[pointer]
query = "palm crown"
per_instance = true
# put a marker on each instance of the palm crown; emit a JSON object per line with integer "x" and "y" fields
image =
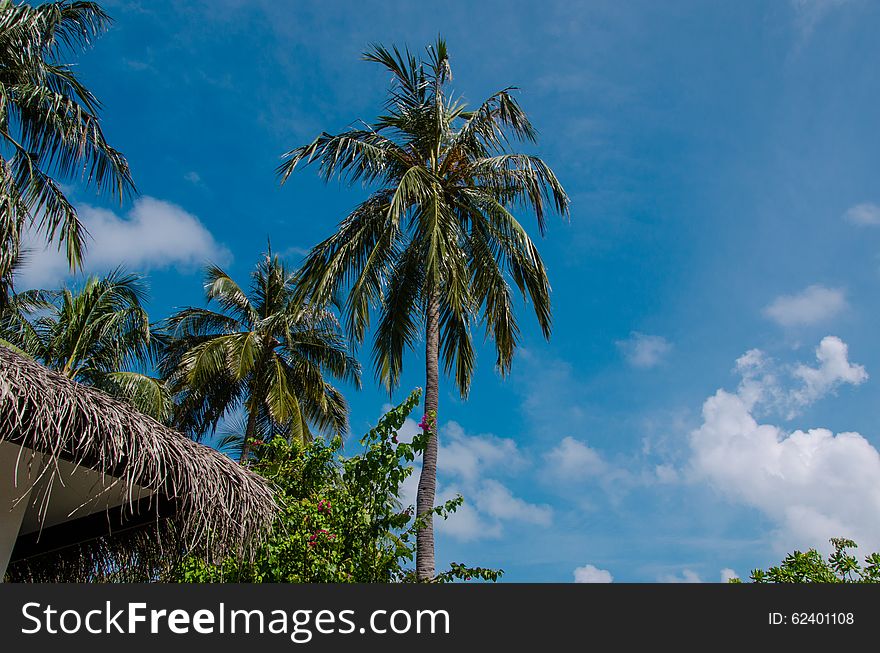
{"x": 264, "y": 351}
{"x": 440, "y": 226}
{"x": 98, "y": 334}
{"x": 49, "y": 125}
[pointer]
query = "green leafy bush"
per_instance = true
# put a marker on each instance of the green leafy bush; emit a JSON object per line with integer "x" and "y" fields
{"x": 810, "y": 567}
{"x": 341, "y": 519}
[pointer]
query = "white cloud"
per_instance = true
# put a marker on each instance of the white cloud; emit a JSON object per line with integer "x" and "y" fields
{"x": 812, "y": 305}
{"x": 834, "y": 369}
{"x": 865, "y": 214}
{"x": 812, "y": 484}
{"x": 408, "y": 431}
{"x": 488, "y": 507}
{"x": 470, "y": 466}
{"x": 496, "y": 500}
{"x": 468, "y": 525}
{"x": 727, "y": 574}
{"x": 573, "y": 460}
{"x": 470, "y": 456}
{"x": 591, "y": 574}
{"x": 765, "y": 384}
{"x": 193, "y": 177}
{"x": 644, "y": 351}
{"x": 154, "y": 234}
{"x": 687, "y": 576}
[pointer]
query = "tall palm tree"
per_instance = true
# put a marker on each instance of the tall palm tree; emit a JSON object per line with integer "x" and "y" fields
{"x": 98, "y": 334}
{"x": 263, "y": 351}
{"x": 49, "y": 126}
{"x": 435, "y": 246}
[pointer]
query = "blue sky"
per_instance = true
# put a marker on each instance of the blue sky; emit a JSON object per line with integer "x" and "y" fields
{"x": 715, "y": 292}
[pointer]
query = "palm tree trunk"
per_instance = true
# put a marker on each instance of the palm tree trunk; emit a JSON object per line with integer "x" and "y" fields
{"x": 250, "y": 432}
{"x": 428, "y": 478}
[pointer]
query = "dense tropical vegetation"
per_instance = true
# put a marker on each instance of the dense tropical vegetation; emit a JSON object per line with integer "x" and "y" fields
{"x": 342, "y": 520}
{"x": 434, "y": 248}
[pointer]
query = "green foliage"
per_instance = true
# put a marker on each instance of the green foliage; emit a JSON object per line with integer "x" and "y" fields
{"x": 439, "y": 224}
{"x": 810, "y": 567}
{"x": 341, "y": 518}
{"x": 263, "y": 350}
{"x": 97, "y": 333}
{"x": 49, "y": 127}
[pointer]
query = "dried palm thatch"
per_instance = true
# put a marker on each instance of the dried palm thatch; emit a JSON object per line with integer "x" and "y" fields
{"x": 220, "y": 508}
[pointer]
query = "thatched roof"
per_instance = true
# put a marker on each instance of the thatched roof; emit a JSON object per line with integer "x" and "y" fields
{"x": 219, "y": 506}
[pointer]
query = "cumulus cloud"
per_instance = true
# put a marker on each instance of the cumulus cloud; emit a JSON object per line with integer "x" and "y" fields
{"x": 727, "y": 574}
{"x": 573, "y": 460}
{"x": 814, "y": 304}
{"x": 488, "y": 507}
{"x": 591, "y": 574}
{"x": 469, "y": 456}
{"x": 467, "y": 524}
{"x": 152, "y": 235}
{"x": 687, "y": 576}
{"x": 766, "y": 385}
{"x": 834, "y": 369}
{"x": 473, "y": 466}
{"x": 496, "y": 500}
{"x": 644, "y": 351}
{"x": 812, "y": 484}
{"x": 866, "y": 214}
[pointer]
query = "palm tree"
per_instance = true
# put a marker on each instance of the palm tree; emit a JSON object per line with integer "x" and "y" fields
{"x": 263, "y": 351}
{"x": 435, "y": 246}
{"x": 98, "y": 334}
{"x": 49, "y": 126}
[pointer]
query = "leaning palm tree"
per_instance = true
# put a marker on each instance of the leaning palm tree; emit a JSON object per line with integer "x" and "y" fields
{"x": 98, "y": 334}
{"x": 435, "y": 246}
{"x": 265, "y": 352}
{"x": 49, "y": 126}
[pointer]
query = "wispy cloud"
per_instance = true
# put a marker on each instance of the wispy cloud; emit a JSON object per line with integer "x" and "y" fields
{"x": 812, "y": 305}
{"x": 644, "y": 351}
{"x": 866, "y": 214}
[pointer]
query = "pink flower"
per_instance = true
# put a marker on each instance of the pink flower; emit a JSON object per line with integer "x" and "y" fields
{"x": 424, "y": 425}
